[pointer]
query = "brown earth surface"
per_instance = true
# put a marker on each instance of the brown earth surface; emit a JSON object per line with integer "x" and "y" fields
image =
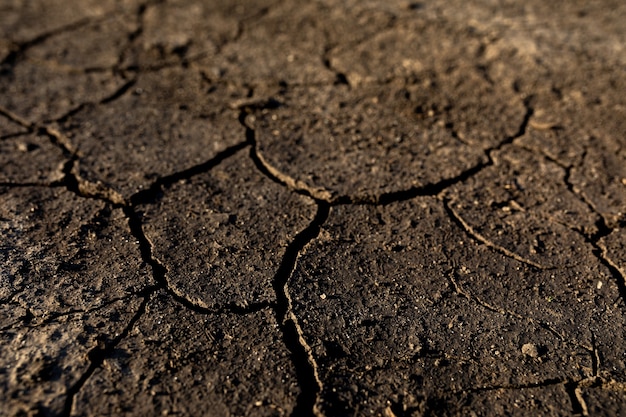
{"x": 325, "y": 208}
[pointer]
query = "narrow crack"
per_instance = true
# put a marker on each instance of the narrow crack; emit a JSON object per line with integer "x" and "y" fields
{"x": 11, "y": 118}
{"x": 159, "y": 271}
{"x": 437, "y": 188}
{"x": 76, "y": 184}
{"x": 602, "y": 227}
{"x": 602, "y": 231}
{"x": 461, "y": 291}
{"x": 469, "y": 230}
{"x": 458, "y": 288}
{"x": 133, "y": 36}
{"x": 57, "y": 138}
{"x": 329, "y": 49}
{"x": 19, "y": 48}
{"x": 322, "y": 194}
{"x": 307, "y": 403}
{"x": 571, "y": 386}
{"x": 51, "y": 317}
{"x": 151, "y": 194}
{"x": 99, "y": 354}
{"x": 618, "y": 275}
{"x": 432, "y": 189}
{"x": 119, "y": 92}
{"x": 65, "y": 116}
{"x": 81, "y": 187}
{"x": 16, "y": 118}
{"x": 318, "y": 194}
{"x": 72, "y": 180}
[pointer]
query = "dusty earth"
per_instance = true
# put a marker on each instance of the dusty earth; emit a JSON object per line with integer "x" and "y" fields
{"x": 328, "y": 208}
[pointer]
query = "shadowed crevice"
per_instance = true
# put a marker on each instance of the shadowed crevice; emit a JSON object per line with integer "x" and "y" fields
{"x": 293, "y": 337}
{"x": 267, "y": 169}
{"x": 428, "y": 189}
{"x": 579, "y": 407}
{"x": 437, "y": 188}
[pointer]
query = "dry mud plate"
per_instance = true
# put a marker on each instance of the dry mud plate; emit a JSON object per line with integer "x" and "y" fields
{"x": 312, "y": 208}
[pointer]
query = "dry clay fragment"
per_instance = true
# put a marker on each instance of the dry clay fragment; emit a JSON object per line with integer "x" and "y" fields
{"x": 26, "y": 21}
{"x": 66, "y": 70}
{"x": 399, "y": 299}
{"x": 170, "y": 121}
{"x": 222, "y": 235}
{"x": 38, "y": 91}
{"x": 407, "y": 49}
{"x": 358, "y": 144}
{"x": 284, "y": 45}
{"x": 446, "y": 76}
{"x": 175, "y": 361}
{"x": 70, "y": 273}
{"x": 208, "y": 27}
{"x": 91, "y": 47}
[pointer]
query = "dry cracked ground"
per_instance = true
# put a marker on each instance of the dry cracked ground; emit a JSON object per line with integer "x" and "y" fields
{"x": 328, "y": 208}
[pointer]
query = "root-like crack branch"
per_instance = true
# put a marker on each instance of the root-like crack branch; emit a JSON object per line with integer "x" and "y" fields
{"x": 98, "y": 355}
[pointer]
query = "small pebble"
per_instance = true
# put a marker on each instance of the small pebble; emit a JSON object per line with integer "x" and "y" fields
{"x": 530, "y": 349}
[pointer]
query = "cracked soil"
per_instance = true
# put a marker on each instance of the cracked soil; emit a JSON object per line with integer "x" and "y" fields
{"x": 312, "y": 208}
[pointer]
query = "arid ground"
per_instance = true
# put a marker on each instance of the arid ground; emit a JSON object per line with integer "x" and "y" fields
{"x": 312, "y": 208}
